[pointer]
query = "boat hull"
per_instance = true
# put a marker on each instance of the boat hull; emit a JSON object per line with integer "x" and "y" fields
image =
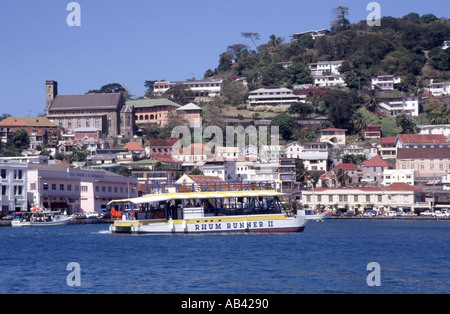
{"x": 223, "y": 224}
{"x": 39, "y": 224}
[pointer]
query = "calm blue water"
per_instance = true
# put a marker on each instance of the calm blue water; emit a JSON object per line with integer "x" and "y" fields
{"x": 329, "y": 257}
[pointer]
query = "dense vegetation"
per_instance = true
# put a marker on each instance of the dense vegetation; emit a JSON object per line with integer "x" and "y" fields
{"x": 409, "y": 47}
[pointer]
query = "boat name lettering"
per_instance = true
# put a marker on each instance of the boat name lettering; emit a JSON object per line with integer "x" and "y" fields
{"x": 233, "y": 225}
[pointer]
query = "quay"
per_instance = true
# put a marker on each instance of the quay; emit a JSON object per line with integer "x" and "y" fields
{"x": 390, "y": 218}
{"x": 7, "y": 223}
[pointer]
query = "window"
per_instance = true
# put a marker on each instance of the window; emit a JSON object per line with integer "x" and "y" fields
{"x": 3, "y": 190}
{"x": 330, "y": 198}
{"x": 54, "y": 187}
{"x": 367, "y": 198}
{"x": 355, "y": 198}
{"x": 380, "y": 198}
{"x": 69, "y": 187}
{"x": 84, "y": 188}
{"x": 45, "y": 186}
{"x": 61, "y": 187}
{"x": 3, "y": 173}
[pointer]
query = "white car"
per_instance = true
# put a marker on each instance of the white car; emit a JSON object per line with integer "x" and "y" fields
{"x": 427, "y": 213}
{"x": 441, "y": 214}
{"x": 391, "y": 213}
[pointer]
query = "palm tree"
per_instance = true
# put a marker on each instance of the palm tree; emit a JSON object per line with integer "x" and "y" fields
{"x": 274, "y": 43}
{"x": 372, "y": 102}
{"x": 342, "y": 176}
{"x": 359, "y": 123}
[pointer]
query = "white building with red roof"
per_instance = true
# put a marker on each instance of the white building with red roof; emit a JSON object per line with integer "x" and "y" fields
{"x": 397, "y": 195}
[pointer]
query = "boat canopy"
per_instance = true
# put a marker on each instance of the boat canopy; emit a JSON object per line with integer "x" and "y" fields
{"x": 195, "y": 195}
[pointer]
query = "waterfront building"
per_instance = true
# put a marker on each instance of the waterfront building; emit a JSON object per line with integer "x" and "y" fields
{"x": 397, "y": 195}
{"x": 13, "y": 183}
{"x": 61, "y": 187}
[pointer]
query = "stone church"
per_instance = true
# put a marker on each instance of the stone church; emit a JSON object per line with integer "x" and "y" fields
{"x": 105, "y": 112}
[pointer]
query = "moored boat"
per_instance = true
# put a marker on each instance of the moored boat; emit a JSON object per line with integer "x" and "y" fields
{"x": 41, "y": 218}
{"x": 312, "y": 215}
{"x": 205, "y": 212}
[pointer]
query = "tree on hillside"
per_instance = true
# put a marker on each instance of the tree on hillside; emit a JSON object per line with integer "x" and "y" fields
{"x": 111, "y": 88}
{"x": 372, "y": 101}
{"x": 359, "y": 123}
{"x": 253, "y": 37}
{"x": 341, "y": 106}
{"x": 406, "y": 123}
{"x": 285, "y": 123}
{"x": 340, "y": 22}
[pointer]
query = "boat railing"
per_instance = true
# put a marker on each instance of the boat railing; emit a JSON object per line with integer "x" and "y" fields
{"x": 159, "y": 188}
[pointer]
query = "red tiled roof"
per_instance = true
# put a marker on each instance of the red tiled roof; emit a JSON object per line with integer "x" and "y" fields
{"x": 163, "y": 142}
{"x": 346, "y": 167}
{"x": 133, "y": 146}
{"x": 401, "y": 186}
{"x": 333, "y": 129}
{"x": 388, "y": 140}
{"x": 422, "y": 138}
{"x": 423, "y": 153}
{"x": 165, "y": 158}
{"x": 376, "y": 161}
{"x": 204, "y": 179}
{"x": 358, "y": 188}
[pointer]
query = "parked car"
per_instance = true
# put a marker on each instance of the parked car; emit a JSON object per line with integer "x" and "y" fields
{"x": 104, "y": 215}
{"x": 13, "y": 216}
{"x": 410, "y": 214}
{"x": 441, "y": 214}
{"x": 390, "y": 213}
{"x": 370, "y": 213}
{"x": 428, "y": 213}
{"x": 336, "y": 214}
{"x": 91, "y": 215}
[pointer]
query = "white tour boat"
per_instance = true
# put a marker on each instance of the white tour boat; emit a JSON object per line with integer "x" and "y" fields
{"x": 41, "y": 218}
{"x": 314, "y": 215}
{"x": 205, "y": 212}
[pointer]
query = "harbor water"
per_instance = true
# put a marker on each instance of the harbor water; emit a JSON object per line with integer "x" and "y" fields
{"x": 328, "y": 257}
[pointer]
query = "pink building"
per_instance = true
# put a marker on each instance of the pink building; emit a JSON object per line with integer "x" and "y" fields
{"x": 60, "y": 187}
{"x": 373, "y": 169}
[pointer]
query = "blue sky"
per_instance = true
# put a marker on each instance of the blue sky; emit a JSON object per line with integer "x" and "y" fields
{"x": 131, "y": 41}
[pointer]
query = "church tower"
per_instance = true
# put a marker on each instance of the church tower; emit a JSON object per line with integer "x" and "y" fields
{"x": 51, "y": 91}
